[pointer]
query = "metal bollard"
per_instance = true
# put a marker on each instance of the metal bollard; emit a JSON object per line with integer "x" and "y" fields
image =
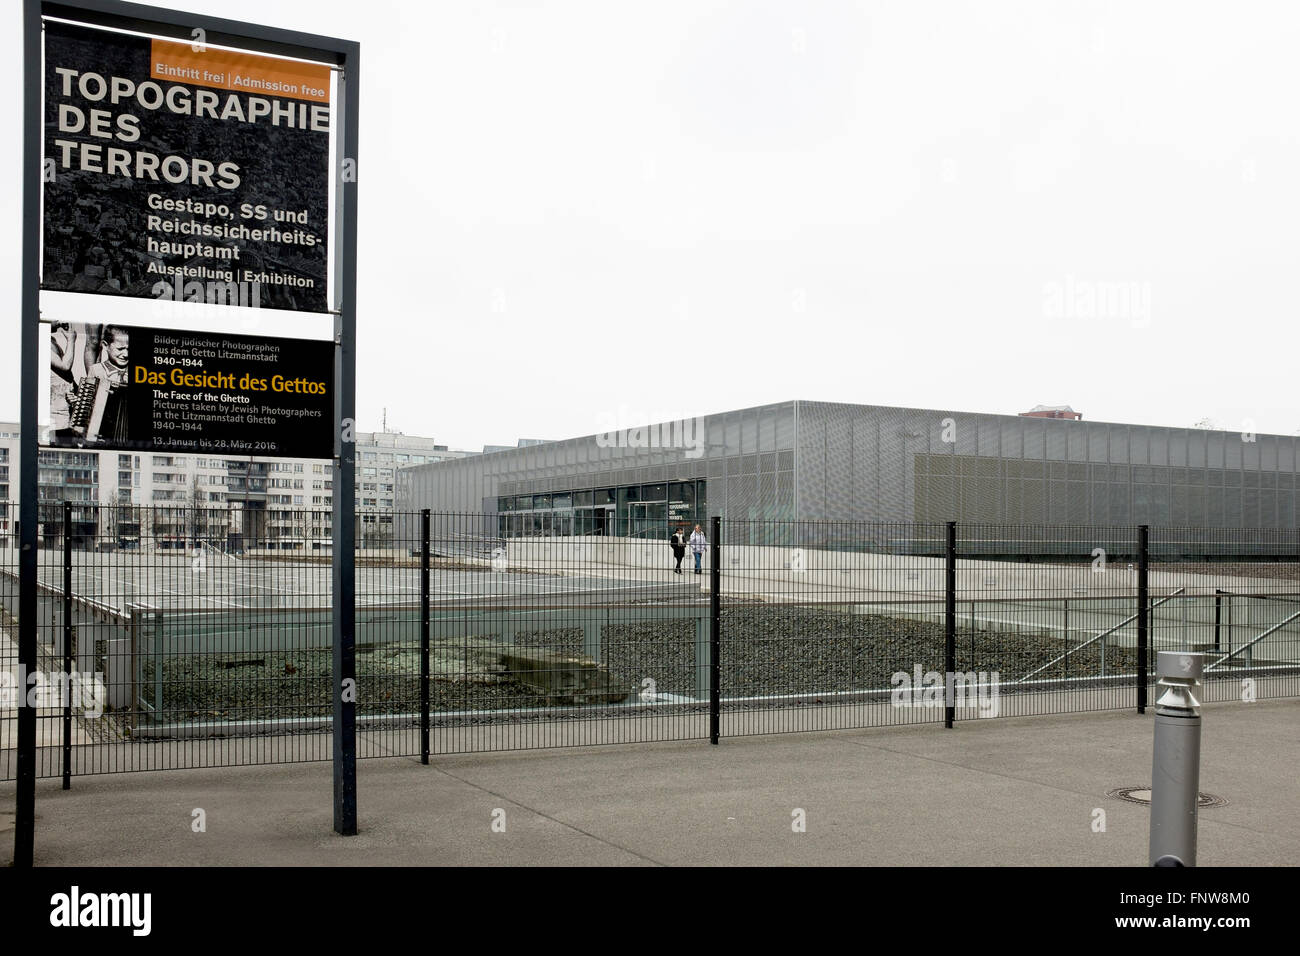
{"x": 1176, "y": 759}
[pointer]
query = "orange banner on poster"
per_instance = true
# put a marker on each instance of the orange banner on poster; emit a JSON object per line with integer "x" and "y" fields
{"x": 240, "y": 72}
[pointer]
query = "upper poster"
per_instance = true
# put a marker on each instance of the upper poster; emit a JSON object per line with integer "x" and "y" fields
{"x": 176, "y": 173}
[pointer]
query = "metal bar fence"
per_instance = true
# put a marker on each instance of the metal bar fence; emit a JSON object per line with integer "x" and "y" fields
{"x": 1052, "y": 631}
{"x": 190, "y": 638}
{"x": 1242, "y": 594}
{"x": 830, "y": 625}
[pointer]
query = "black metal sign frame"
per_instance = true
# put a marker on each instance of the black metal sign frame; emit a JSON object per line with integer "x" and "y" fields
{"x": 344, "y": 56}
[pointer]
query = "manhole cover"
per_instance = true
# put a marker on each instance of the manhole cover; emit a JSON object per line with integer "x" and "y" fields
{"x": 1142, "y": 795}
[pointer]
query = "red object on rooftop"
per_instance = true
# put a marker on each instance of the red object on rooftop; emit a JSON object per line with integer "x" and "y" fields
{"x": 1052, "y": 411}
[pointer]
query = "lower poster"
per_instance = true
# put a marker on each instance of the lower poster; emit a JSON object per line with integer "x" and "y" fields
{"x": 141, "y": 389}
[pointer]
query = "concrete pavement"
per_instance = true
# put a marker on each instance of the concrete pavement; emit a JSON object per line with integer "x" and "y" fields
{"x": 1008, "y": 791}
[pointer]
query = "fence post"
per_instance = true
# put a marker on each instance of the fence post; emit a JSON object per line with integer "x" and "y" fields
{"x": 715, "y": 627}
{"x": 65, "y": 682}
{"x": 1218, "y": 611}
{"x": 1250, "y": 626}
{"x": 949, "y": 621}
{"x": 137, "y": 677}
{"x": 157, "y": 667}
{"x": 972, "y": 635}
{"x": 1143, "y": 619}
{"x": 1231, "y": 632}
{"x": 1065, "y": 630}
{"x": 424, "y": 636}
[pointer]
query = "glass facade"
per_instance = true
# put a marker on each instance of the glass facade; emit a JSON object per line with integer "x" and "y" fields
{"x": 652, "y": 510}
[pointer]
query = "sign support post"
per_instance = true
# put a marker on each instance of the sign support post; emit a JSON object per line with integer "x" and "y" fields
{"x": 345, "y": 464}
{"x": 28, "y": 514}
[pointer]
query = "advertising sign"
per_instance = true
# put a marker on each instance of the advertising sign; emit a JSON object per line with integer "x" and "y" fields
{"x": 129, "y": 388}
{"x": 174, "y": 170}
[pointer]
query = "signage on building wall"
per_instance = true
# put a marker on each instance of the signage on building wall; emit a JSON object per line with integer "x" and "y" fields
{"x": 130, "y": 388}
{"x": 179, "y": 171}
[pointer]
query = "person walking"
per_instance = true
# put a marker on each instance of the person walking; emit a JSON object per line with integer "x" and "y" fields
{"x": 698, "y": 544}
{"x": 678, "y": 543}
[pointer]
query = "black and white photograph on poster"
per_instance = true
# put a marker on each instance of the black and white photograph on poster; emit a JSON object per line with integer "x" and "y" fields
{"x": 88, "y": 384}
{"x": 143, "y": 389}
{"x": 179, "y": 173}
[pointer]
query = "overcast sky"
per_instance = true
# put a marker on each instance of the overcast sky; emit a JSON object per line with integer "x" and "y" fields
{"x": 577, "y": 211}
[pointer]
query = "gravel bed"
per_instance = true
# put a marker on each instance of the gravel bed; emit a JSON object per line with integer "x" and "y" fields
{"x": 766, "y": 650}
{"x": 1272, "y": 570}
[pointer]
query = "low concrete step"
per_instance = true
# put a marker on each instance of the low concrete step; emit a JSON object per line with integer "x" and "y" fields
{"x": 562, "y": 678}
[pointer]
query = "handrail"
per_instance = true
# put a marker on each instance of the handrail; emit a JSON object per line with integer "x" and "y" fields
{"x": 1254, "y": 641}
{"x": 1112, "y": 630}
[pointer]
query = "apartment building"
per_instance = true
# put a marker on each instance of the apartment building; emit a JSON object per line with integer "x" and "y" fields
{"x": 171, "y": 499}
{"x": 62, "y": 475}
{"x": 236, "y": 503}
{"x": 9, "y": 446}
{"x": 380, "y": 457}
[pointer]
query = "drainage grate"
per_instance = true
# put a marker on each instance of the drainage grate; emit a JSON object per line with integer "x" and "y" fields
{"x": 1142, "y": 795}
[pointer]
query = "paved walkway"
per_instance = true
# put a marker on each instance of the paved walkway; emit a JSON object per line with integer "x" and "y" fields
{"x": 990, "y": 792}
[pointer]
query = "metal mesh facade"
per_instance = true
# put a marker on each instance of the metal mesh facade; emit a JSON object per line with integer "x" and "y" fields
{"x": 818, "y": 461}
{"x": 867, "y": 463}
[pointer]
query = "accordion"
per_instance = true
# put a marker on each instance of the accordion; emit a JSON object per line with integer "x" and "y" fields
{"x": 83, "y": 404}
